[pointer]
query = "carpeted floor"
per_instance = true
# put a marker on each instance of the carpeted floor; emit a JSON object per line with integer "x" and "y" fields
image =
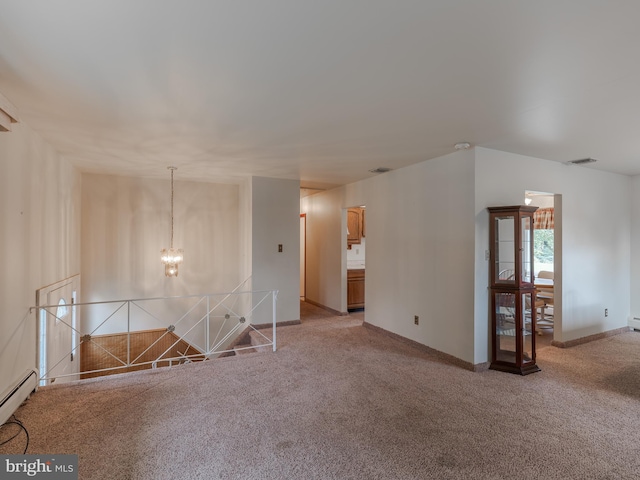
{"x": 340, "y": 401}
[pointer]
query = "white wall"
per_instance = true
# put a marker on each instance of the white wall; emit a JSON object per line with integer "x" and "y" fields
{"x": 358, "y": 252}
{"x": 246, "y": 241}
{"x": 276, "y": 220}
{"x": 420, "y": 240}
{"x": 427, "y": 233}
{"x": 228, "y": 232}
{"x": 420, "y": 237}
{"x": 126, "y": 222}
{"x": 592, "y": 224}
{"x": 40, "y": 238}
{"x": 635, "y": 247}
{"x": 326, "y": 274}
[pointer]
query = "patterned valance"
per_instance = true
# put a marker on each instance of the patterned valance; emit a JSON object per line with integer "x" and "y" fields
{"x": 543, "y": 218}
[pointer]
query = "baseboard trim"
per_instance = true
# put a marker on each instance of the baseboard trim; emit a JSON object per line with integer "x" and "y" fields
{"x": 445, "y": 357}
{"x": 328, "y": 309}
{"x": 285, "y": 323}
{"x": 481, "y": 367}
{"x": 590, "y": 338}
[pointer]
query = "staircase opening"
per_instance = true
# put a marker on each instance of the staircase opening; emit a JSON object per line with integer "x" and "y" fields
{"x": 123, "y": 336}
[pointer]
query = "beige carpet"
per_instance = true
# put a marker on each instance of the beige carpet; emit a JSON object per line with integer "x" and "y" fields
{"x": 340, "y": 401}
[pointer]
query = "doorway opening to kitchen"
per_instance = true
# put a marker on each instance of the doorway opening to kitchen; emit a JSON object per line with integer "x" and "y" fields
{"x": 356, "y": 255}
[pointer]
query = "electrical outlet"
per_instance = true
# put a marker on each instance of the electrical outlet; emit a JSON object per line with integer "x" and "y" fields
{"x": 279, "y": 248}
{"x": 416, "y": 319}
{"x": 606, "y": 312}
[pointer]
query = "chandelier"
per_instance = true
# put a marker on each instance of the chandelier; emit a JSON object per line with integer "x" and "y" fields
{"x": 173, "y": 256}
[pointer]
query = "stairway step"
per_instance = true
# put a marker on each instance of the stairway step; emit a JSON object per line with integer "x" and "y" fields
{"x": 244, "y": 349}
{"x": 257, "y": 339}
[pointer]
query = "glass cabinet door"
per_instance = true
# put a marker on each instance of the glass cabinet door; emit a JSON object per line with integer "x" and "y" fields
{"x": 515, "y": 316}
{"x": 505, "y": 334}
{"x": 504, "y": 249}
{"x": 528, "y": 327}
{"x": 526, "y": 249}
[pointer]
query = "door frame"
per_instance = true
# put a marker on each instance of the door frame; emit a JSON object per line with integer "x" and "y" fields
{"x": 303, "y": 256}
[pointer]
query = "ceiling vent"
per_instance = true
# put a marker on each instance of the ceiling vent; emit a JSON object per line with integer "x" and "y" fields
{"x": 380, "y": 170}
{"x": 582, "y": 161}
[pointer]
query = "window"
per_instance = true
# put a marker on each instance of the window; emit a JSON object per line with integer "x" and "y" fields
{"x": 543, "y": 249}
{"x": 62, "y": 310}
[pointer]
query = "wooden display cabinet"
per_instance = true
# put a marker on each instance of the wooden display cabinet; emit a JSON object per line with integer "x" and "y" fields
{"x": 513, "y": 313}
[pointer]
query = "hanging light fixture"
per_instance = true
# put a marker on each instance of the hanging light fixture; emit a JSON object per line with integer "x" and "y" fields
{"x": 173, "y": 256}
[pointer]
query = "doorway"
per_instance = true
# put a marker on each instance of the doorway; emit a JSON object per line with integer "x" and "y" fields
{"x": 547, "y": 251}
{"x": 356, "y": 257}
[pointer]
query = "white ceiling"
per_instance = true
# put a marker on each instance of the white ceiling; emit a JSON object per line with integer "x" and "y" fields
{"x": 322, "y": 90}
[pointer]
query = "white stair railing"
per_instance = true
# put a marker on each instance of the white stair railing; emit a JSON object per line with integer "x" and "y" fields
{"x": 124, "y": 335}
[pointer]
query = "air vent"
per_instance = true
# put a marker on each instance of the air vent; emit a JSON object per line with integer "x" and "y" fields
{"x": 582, "y": 161}
{"x": 380, "y": 170}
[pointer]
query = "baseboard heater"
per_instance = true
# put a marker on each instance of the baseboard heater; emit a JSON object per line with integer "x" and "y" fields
{"x": 635, "y": 323}
{"x": 13, "y": 397}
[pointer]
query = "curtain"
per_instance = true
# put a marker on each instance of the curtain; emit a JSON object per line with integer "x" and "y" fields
{"x": 543, "y": 219}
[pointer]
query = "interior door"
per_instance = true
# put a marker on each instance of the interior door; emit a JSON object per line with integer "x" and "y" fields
{"x": 58, "y": 355}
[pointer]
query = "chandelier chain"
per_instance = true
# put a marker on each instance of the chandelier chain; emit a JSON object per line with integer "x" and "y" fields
{"x": 171, "y": 243}
{"x": 171, "y": 258}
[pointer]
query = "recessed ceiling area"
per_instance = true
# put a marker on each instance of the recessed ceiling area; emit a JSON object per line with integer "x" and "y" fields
{"x": 321, "y": 91}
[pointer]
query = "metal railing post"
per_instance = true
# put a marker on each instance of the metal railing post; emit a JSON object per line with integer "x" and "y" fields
{"x": 206, "y": 328}
{"x": 128, "y": 333}
{"x": 275, "y": 298}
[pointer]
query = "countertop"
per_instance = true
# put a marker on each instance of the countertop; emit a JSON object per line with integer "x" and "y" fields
{"x": 355, "y": 265}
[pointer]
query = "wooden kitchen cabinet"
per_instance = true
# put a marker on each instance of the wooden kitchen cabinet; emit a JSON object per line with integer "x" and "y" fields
{"x": 355, "y": 226}
{"x": 355, "y": 289}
